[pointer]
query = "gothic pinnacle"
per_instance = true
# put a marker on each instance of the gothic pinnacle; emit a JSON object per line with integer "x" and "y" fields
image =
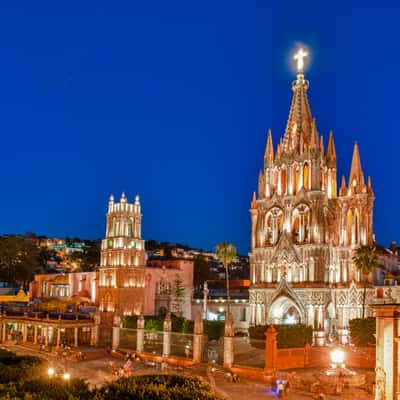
{"x": 331, "y": 151}
{"x": 254, "y": 201}
{"x": 269, "y": 148}
{"x": 356, "y": 178}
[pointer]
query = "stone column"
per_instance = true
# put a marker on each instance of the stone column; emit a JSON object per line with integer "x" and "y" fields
{"x": 271, "y": 348}
{"x": 58, "y": 337}
{"x": 387, "y": 360}
{"x": 24, "y": 333}
{"x": 46, "y": 336}
{"x": 228, "y": 341}
{"x": 4, "y": 333}
{"x": 94, "y": 339}
{"x": 116, "y": 331}
{"x": 35, "y": 331}
{"x": 76, "y": 337}
{"x": 167, "y": 336}
{"x": 140, "y": 334}
{"x": 205, "y": 298}
{"x": 197, "y": 338}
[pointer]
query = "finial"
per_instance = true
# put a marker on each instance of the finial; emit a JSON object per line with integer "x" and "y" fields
{"x": 299, "y": 58}
{"x": 123, "y": 198}
{"x": 137, "y": 199}
{"x": 111, "y": 199}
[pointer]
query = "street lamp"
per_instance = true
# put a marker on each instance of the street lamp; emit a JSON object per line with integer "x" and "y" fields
{"x": 66, "y": 376}
{"x": 51, "y": 372}
{"x": 337, "y": 358}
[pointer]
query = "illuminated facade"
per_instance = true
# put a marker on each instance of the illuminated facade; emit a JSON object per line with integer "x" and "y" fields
{"x": 304, "y": 231}
{"x": 122, "y": 262}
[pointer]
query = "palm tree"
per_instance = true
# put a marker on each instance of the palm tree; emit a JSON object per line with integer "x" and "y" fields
{"x": 226, "y": 252}
{"x": 365, "y": 260}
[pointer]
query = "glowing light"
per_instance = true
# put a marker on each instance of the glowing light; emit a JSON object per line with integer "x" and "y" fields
{"x": 51, "y": 372}
{"x": 290, "y": 319}
{"x": 66, "y": 376}
{"x": 337, "y": 356}
{"x": 299, "y": 58}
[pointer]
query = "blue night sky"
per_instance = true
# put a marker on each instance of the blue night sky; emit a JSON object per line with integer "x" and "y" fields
{"x": 172, "y": 100}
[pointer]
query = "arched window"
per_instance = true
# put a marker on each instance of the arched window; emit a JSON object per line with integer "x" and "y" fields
{"x": 300, "y": 224}
{"x": 274, "y": 225}
{"x": 283, "y": 181}
{"x": 130, "y": 228}
{"x": 296, "y": 180}
{"x": 356, "y": 227}
{"x": 306, "y": 177}
{"x": 349, "y": 227}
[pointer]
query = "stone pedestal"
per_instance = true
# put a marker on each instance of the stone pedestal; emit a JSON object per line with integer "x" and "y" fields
{"x": 228, "y": 351}
{"x": 167, "y": 336}
{"x": 197, "y": 348}
{"x": 140, "y": 340}
{"x": 319, "y": 338}
{"x": 228, "y": 341}
{"x": 115, "y": 337}
{"x": 271, "y": 348}
{"x": 198, "y": 338}
{"x": 140, "y": 334}
{"x": 387, "y": 351}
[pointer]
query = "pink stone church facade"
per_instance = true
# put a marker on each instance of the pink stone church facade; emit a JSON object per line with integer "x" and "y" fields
{"x": 304, "y": 230}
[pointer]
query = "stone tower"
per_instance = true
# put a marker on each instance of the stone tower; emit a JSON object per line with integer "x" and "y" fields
{"x": 303, "y": 232}
{"x": 122, "y": 261}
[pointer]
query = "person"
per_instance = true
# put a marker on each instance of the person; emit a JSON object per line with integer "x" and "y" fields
{"x": 321, "y": 396}
{"x": 287, "y": 387}
{"x": 280, "y": 388}
{"x": 128, "y": 367}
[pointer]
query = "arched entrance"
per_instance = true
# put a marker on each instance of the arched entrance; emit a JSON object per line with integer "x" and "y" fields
{"x": 284, "y": 311}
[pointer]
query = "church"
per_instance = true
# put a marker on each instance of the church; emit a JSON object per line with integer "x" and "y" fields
{"x": 304, "y": 230}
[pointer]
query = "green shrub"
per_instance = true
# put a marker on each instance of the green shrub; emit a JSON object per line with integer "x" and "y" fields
{"x": 362, "y": 331}
{"x": 157, "y": 387}
{"x": 214, "y": 329}
{"x": 46, "y": 389}
{"x": 15, "y": 368}
{"x": 155, "y": 323}
{"x": 289, "y": 336}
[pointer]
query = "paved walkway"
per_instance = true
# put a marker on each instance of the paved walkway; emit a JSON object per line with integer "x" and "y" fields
{"x": 97, "y": 371}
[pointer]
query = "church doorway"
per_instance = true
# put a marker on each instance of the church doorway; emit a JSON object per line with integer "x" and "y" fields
{"x": 284, "y": 311}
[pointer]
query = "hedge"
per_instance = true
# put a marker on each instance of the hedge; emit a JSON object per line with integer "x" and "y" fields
{"x": 157, "y": 387}
{"x": 362, "y": 331}
{"x": 146, "y": 387}
{"x": 289, "y": 336}
{"x": 15, "y": 368}
{"x": 213, "y": 329}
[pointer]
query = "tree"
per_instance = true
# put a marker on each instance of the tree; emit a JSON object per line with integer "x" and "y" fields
{"x": 226, "y": 253}
{"x": 178, "y": 292}
{"x": 201, "y": 271}
{"x": 18, "y": 259}
{"x": 365, "y": 260}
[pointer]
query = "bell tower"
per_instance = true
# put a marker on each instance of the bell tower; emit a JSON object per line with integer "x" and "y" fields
{"x": 122, "y": 261}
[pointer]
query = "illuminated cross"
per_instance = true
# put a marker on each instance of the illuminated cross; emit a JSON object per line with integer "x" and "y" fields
{"x": 299, "y": 57}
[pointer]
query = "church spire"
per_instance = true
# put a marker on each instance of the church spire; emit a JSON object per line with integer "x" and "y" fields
{"x": 300, "y": 117}
{"x": 356, "y": 178}
{"x": 254, "y": 201}
{"x": 331, "y": 151}
{"x": 269, "y": 149}
{"x": 343, "y": 188}
{"x": 314, "y": 136}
